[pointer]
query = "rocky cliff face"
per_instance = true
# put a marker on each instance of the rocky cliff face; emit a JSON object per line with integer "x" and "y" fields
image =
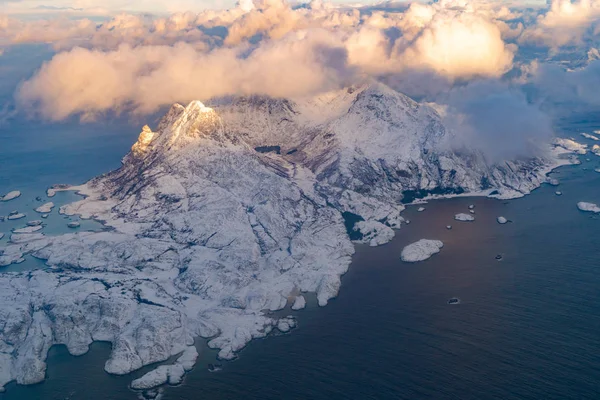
{"x": 224, "y": 213}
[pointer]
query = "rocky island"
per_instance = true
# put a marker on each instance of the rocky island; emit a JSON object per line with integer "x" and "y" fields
{"x": 209, "y": 235}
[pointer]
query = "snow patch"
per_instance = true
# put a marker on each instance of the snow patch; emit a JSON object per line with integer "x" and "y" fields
{"x": 421, "y": 250}
{"x": 286, "y": 324}
{"x": 464, "y": 217}
{"x": 28, "y": 229}
{"x": 375, "y": 233}
{"x": 571, "y": 145}
{"x": 171, "y": 374}
{"x": 10, "y": 195}
{"x": 588, "y": 207}
{"x": 299, "y": 303}
{"x": 45, "y": 208}
{"x": 588, "y": 136}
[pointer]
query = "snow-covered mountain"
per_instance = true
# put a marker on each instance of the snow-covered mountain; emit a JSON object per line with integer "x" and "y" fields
{"x": 224, "y": 213}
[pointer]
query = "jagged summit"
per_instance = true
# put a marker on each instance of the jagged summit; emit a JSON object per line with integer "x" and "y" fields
{"x": 178, "y": 126}
{"x": 195, "y": 121}
{"x": 141, "y": 146}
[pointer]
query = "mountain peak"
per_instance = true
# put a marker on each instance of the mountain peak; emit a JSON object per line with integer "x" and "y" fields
{"x": 141, "y": 146}
{"x": 182, "y": 124}
{"x": 197, "y": 106}
{"x": 195, "y": 121}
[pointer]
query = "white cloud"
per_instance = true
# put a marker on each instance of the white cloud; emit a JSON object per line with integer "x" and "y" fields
{"x": 565, "y": 23}
{"x": 460, "y": 44}
{"x": 143, "y": 62}
{"x": 569, "y": 90}
{"x": 86, "y": 82}
{"x": 496, "y": 119}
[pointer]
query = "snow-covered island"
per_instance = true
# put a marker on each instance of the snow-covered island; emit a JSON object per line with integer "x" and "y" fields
{"x": 225, "y": 213}
{"x": 571, "y": 145}
{"x": 588, "y": 207}
{"x": 588, "y": 136}
{"x": 173, "y": 374}
{"x": 10, "y": 196}
{"x": 45, "y": 208}
{"x": 15, "y": 215}
{"x": 28, "y": 229}
{"x": 464, "y": 217}
{"x": 421, "y": 250}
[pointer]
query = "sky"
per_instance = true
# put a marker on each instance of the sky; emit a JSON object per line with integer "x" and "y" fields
{"x": 138, "y": 57}
{"x": 111, "y": 7}
{"x": 108, "y": 7}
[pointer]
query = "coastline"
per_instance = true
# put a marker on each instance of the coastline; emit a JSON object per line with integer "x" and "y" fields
{"x": 407, "y": 299}
{"x": 94, "y": 206}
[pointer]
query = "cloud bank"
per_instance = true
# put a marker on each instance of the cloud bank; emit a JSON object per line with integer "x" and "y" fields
{"x": 497, "y": 119}
{"x": 85, "y": 82}
{"x": 269, "y": 47}
{"x": 567, "y": 22}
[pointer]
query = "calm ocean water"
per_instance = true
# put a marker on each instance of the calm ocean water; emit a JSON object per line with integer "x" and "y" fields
{"x": 526, "y": 328}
